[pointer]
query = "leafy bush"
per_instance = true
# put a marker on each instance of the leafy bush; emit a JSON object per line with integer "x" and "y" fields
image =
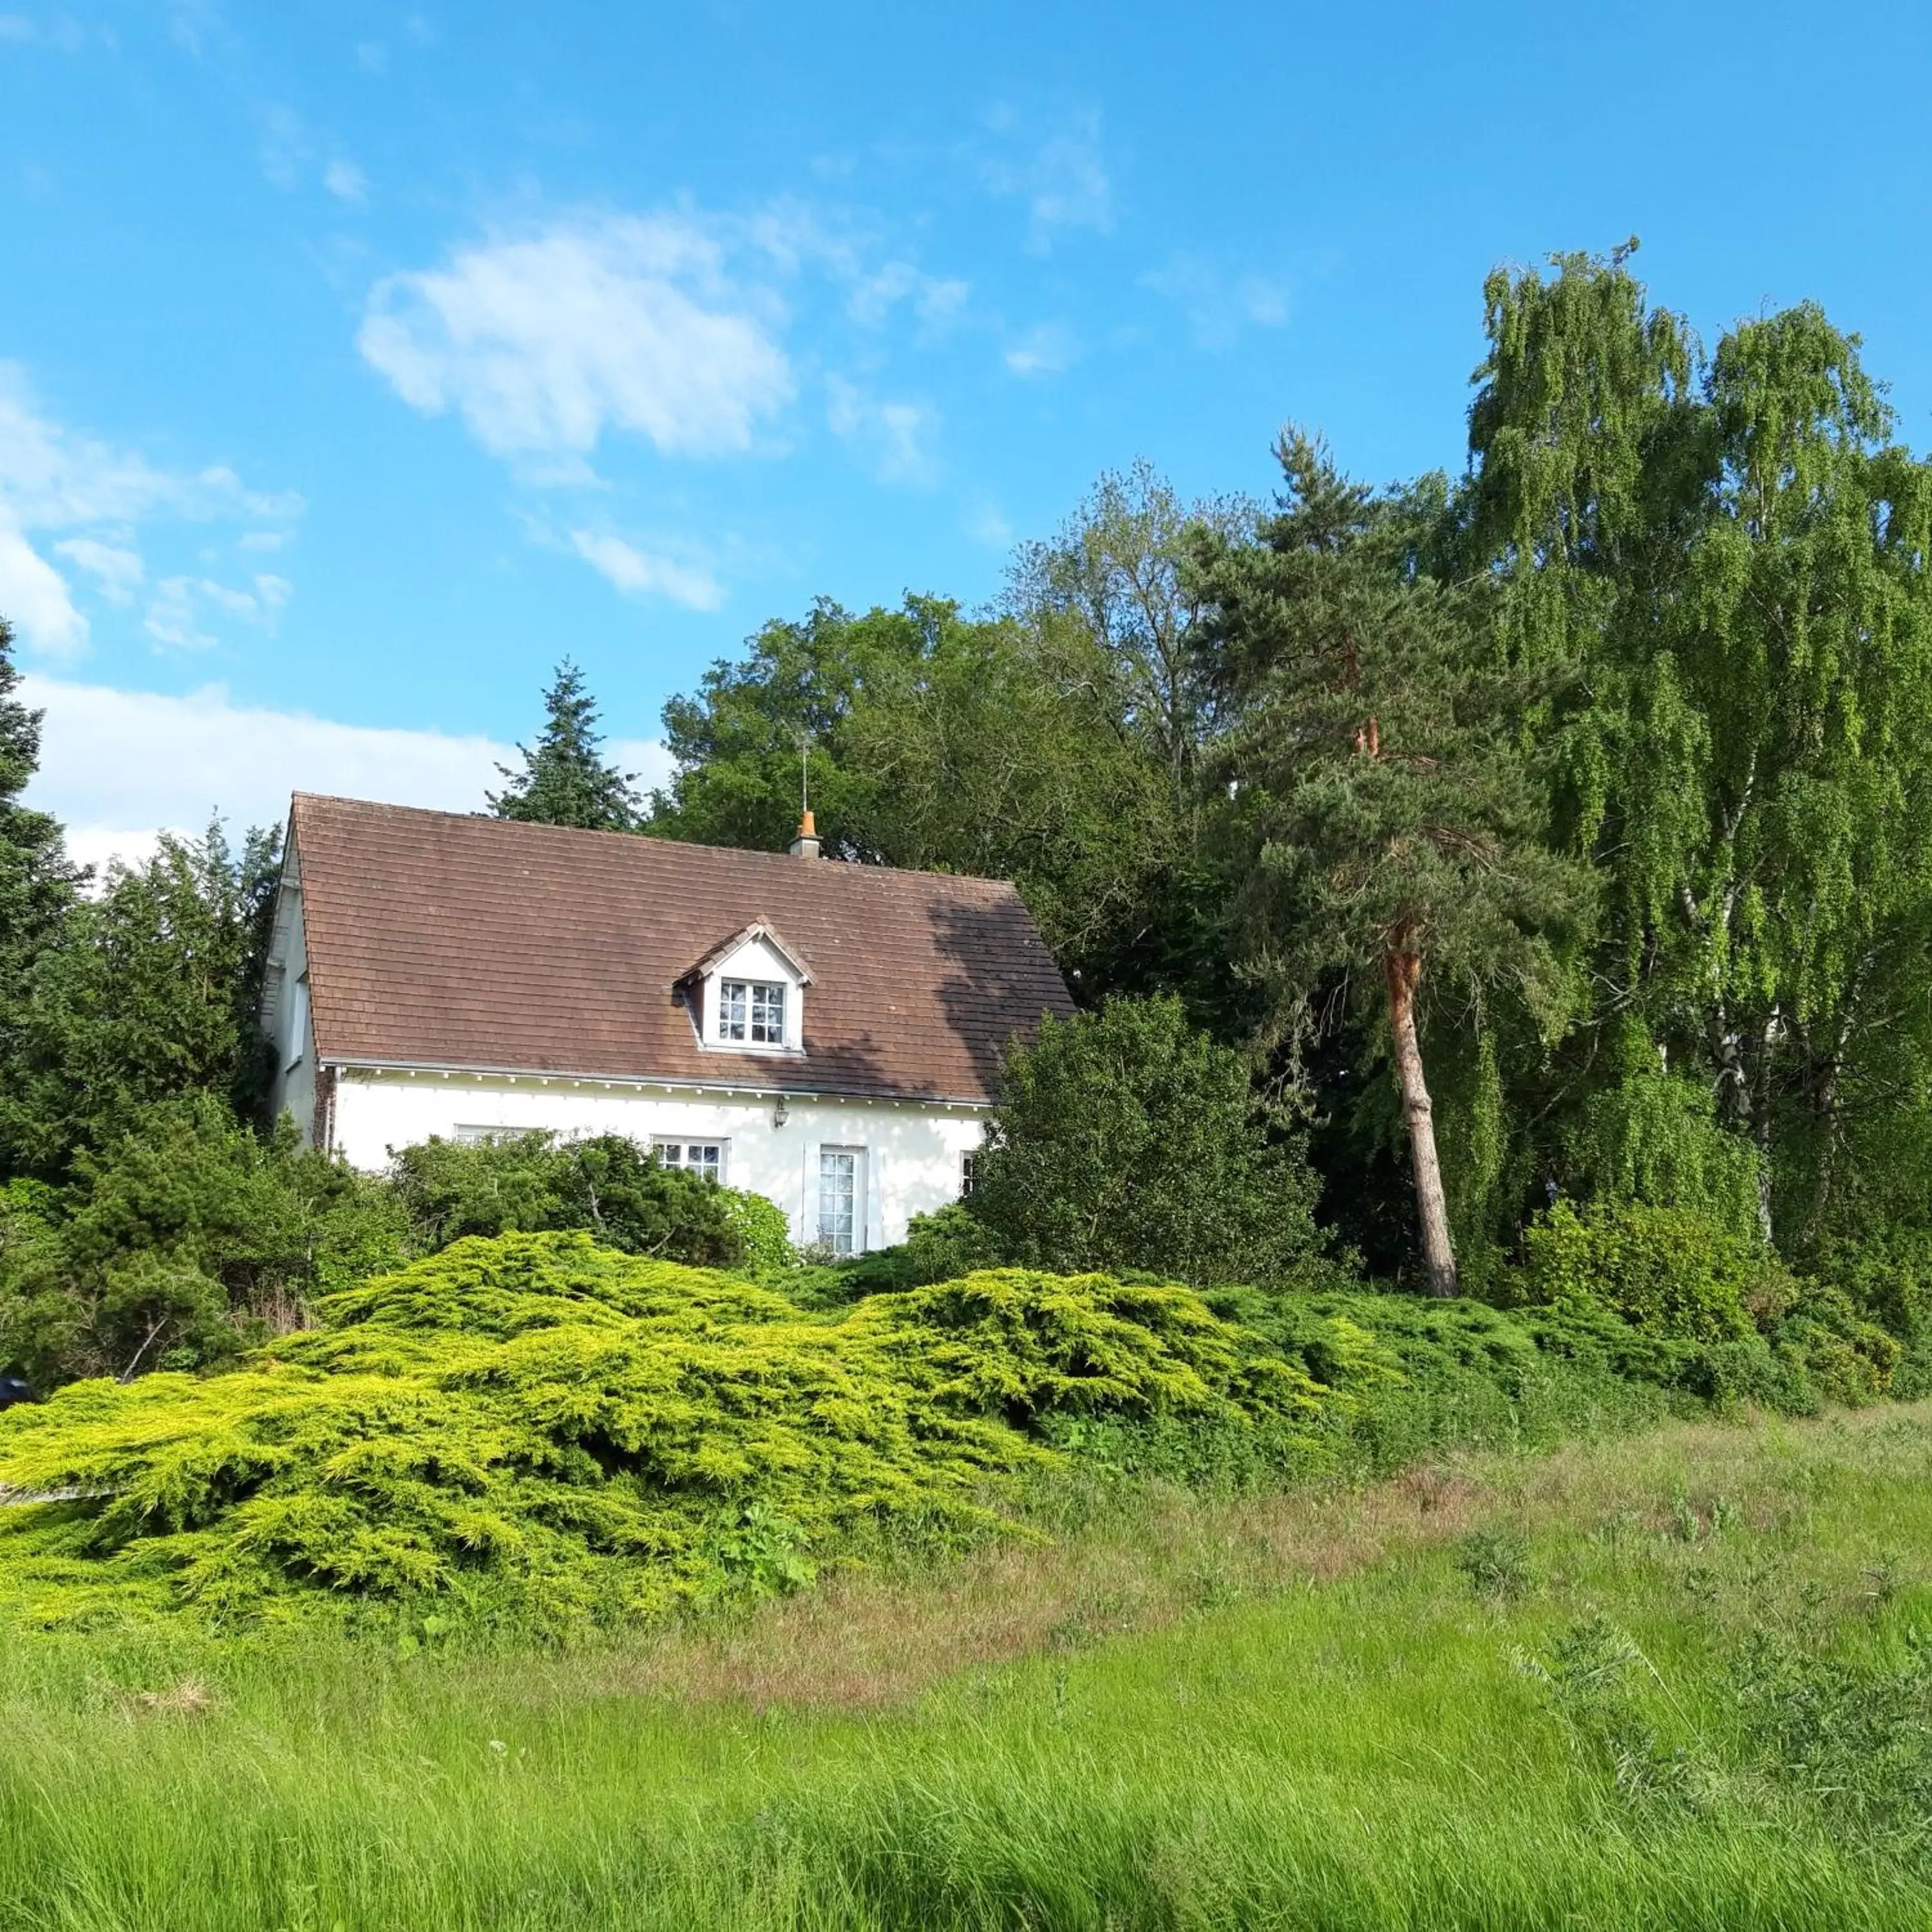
{"x": 1666, "y": 1270}
{"x": 762, "y": 1227}
{"x": 608, "y": 1186}
{"x": 938, "y": 1246}
{"x": 1842, "y": 1356}
{"x": 184, "y": 1238}
{"x": 1126, "y": 1139}
{"x": 553, "y": 1433}
{"x": 1653, "y": 1137}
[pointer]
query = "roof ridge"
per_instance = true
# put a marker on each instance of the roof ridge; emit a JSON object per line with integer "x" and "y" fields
{"x": 514, "y": 825}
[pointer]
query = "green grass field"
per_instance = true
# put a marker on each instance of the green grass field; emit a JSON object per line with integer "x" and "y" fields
{"x": 1672, "y": 1680}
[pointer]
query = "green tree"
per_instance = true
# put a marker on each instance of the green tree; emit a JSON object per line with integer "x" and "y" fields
{"x": 38, "y": 885}
{"x": 936, "y": 741}
{"x": 1116, "y": 570}
{"x": 563, "y": 781}
{"x": 1380, "y": 796}
{"x": 150, "y": 992}
{"x": 1724, "y": 562}
{"x": 1124, "y": 1139}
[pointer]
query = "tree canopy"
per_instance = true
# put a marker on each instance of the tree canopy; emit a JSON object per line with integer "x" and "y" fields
{"x": 563, "y": 781}
{"x": 1542, "y": 847}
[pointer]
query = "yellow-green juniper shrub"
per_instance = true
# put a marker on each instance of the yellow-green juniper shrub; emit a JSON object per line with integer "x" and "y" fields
{"x": 537, "y": 1431}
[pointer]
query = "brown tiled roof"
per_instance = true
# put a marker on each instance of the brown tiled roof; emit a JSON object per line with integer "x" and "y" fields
{"x": 435, "y": 940}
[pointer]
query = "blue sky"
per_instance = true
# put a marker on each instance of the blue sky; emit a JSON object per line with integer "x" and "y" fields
{"x": 357, "y": 362}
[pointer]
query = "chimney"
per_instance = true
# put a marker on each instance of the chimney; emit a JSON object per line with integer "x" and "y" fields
{"x": 806, "y": 845}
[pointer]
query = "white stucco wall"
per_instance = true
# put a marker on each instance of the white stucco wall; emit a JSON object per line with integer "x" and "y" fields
{"x": 285, "y": 1010}
{"x": 912, "y": 1153}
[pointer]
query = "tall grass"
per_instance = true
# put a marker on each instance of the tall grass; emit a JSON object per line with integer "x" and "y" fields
{"x": 1509, "y": 1693}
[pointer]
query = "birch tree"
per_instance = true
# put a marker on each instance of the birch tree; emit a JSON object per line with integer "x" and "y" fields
{"x": 1721, "y": 562}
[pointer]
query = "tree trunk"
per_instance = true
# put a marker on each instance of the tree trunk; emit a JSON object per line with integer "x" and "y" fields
{"x": 1438, "y": 1252}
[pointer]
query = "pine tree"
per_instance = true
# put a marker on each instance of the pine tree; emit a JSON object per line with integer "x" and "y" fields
{"x": 1380, "y": 796}
{"x": 563, "y": 781}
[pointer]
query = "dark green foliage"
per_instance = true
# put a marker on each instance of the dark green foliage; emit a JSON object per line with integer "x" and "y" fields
{"x": 37, "y": 885}
{"x": 150, "y": 993}
{"x": 539, "y": 1429}
{"x": 563, "y": 781}
{"x": 620, "y": 1194}
{"x": 184, "y": 1238}
{"x": 1126, "y": 1139}
{"x": 1001, "y": 747}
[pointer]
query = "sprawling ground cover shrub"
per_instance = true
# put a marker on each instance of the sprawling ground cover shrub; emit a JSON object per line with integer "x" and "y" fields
{"x": 535, "y": 1430}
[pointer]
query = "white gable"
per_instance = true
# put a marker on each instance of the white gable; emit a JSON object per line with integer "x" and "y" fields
{"x": 755, "y": 961}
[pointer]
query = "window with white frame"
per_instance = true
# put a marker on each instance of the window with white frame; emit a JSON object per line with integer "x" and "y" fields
{"x": 751, "y": 1010}
{"x": 840, "y": 1199}
{"x": 704, "y": 1157}
{"x": 475, "y": 1136}
{"x": 966, "y": 1174}
{"x": 297, "y": 1040}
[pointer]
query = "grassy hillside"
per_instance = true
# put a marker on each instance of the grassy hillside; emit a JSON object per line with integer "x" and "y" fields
{"x": 1672, "y": 1678}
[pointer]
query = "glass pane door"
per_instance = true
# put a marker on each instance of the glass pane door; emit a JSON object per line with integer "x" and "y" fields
{"x": 838, "y": 1196}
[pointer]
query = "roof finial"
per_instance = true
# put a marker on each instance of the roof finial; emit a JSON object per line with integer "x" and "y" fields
{"x": 806, "y": 845}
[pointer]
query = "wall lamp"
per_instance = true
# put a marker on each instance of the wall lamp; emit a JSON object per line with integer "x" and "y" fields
{"x": 781, "y": 1112}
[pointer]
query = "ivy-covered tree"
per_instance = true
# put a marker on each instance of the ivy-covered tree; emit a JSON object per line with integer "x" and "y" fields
{"x": 564, "y": 782}
{"x": 1379, "y": 791}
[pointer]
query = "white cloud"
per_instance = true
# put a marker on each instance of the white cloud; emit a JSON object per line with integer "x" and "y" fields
{"x": 875, "y": 295}
{"x": 1043, "y": 350}
{"x": 286, "y": 149}
{"x": 346, "y": 181}
{"x": 33, "y": 596}
{"x": 53, "y": 479}
{"x": 988, "y": 524}
{"x": 640, "y": 573}
{"x": 372, "y": 56}
{"x": 118, "y": 570}
{"x": 894, "y": 439}
{"x": 174, "y": 615}
{"x": 61, "y": 31}
{"x": 1064, "y": 181}
{"x": 544, "y": 342}
{"x": 118, "y": 766}
{"x": 1218, "y": 303}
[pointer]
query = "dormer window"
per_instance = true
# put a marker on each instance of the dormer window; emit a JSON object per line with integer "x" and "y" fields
{"x": 747, "y": 995}
{"x": 752, "y": 1010}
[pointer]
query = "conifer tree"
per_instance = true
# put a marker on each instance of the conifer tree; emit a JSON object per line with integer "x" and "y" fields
{"x": 38, "y": 885}
{"x": 563, "y": 781}
{"x": 1381, "y": 801}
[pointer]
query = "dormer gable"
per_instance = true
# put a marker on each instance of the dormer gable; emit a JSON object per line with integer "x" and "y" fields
{"x": 747, "y": 995}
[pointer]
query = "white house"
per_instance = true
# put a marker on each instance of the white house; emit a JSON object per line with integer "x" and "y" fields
{"x": 826, "y": 1034}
